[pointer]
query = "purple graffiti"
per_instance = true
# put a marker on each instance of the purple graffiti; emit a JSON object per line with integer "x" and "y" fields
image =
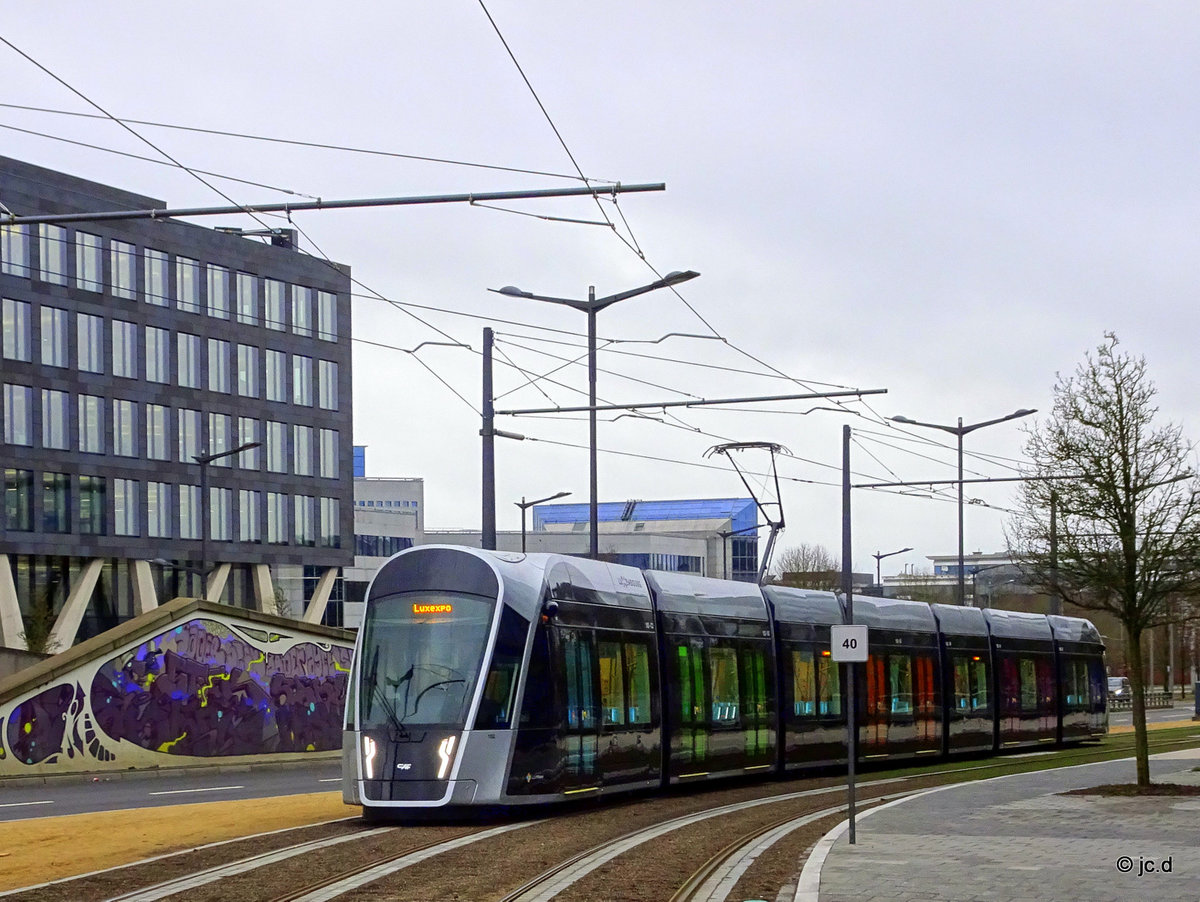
{"x": 37, "y": 726}
{"x": 202, "y": 690}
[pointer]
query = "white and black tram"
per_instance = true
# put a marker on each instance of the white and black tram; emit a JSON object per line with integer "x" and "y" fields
{"x": 488, "y": 678}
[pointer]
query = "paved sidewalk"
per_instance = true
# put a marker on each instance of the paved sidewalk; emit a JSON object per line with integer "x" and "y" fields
{"x": 1015, "y": 839}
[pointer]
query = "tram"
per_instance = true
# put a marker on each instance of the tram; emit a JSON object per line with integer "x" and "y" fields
{"x": 496, "y": 679}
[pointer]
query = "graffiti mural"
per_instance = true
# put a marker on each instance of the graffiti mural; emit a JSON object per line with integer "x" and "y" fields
{"x": 203, "y": 689}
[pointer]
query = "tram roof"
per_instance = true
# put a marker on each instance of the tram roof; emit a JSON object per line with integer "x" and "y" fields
{"x": 1074, "y": 629}
{"x": 794, "y": 605}
{"x": 894, "y": 614}
{"x": 1017, "y": 624}
{"x": 685, "y": 593}
{"x": 956, "y": 620}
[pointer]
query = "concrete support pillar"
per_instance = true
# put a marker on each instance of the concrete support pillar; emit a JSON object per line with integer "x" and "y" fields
{"x": 145, "y": 598}
{"x": 216, "y": 582}
{"x": 264, "y": 592}
{"x": 11, "y": 625}
{"x": 320, "y": 599}
{"x": 62, "y": 636}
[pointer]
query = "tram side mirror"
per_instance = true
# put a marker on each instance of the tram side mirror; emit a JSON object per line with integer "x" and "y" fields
{"x": 549, "y": 611}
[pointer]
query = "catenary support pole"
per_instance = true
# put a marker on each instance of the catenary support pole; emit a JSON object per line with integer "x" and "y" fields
{"x": 488, "y": 536}
{"x": 848, "y": 591}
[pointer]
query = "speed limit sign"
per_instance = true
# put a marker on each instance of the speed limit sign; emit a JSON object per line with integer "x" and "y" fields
{"x": 848, "y": 643}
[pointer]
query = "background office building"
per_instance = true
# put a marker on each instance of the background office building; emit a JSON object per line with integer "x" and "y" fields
{"x": 131, "y": 347}
{"x": 708, "y": 536}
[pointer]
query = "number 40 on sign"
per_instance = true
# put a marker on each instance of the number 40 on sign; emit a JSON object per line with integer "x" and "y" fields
{"x": 848, "y": 643}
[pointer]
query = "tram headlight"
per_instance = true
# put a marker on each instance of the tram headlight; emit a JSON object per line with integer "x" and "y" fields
{"x": 369, "y": 749}
{"x": 446, "y": 756}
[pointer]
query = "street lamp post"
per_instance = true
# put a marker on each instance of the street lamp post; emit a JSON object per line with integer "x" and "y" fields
{"x": 204, "y": 460}
{"x": 524, "y": 505}
{"x": 879, "y": 557}
{"x": 960, "y": 430}
{"x": 591, "y": 307}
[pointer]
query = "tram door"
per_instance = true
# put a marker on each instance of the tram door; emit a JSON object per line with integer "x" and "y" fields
{"x": 581, "y": 724}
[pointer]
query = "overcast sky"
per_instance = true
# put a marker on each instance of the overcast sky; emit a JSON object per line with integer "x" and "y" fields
{"x": 949, "y": 201}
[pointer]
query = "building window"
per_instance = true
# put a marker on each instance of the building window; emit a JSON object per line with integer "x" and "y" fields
{"x": 56, "y": 502}
{"x": 158, "y": 510}
{"x": 18, "y": 414}
{"x": 158, "y": 355}
{"x": 123, "y": 259}
{"x": 329, "y": 453}
{"x": 218, "y": 437}
{"x": 89, "y": 330}
{"x": 330, "y": 534}
{"x": 218, "y": 365}
{"x": 125, "y": 507}
{"x": 276, "y": 375}
{"x": 18, "y": 500}
{"x": 302, "y": 522}
{"x": 248, "y": 432}
{"x": 187, "y": 284}
{"x": 276, "y": 299}
{"x": 54, "y": 336}
{"x": 91, "y": 424}
{"x": 54, "y": 419}
{"x": 124, "y": 349}
{"x": 157, "y": 430}
{"x": 189, "y": 436}
{"x": 93, "y": 519}
{"x": 53, "y": 253}
{"x": 302, "y": 380}
{"x": 302, "y": 310}
{"x": 276, "y": 447}
{"x": 248, "y": 504}
{"x": 154, "y": 264}
{"x": 220, "y": 527}
{"x": 247, "y": 299}
{"x": 302, "y": 450}
{"x": 189, "y": 512}
{"x": 218, "y": 291}
{"x": 247, "y": 371}
{"x": 124, "y": 428}
{"x": 188, "y": 353}
{"x": 89, "y": 251}
{"x": 16, "y": 329}
{"x": 327, "y": 387}
{"x": 327, "y": 315}
{"x": 277, "y": 531}
{"x": 14, "y": 250}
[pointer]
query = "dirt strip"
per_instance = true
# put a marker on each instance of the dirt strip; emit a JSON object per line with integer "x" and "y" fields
{"x": 49, "y": 848}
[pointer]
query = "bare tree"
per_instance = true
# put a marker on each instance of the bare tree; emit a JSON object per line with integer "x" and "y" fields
{"x": 1126, "y": 521}
{"x": 807, "y": 567}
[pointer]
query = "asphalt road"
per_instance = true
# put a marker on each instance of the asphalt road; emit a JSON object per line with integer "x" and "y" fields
{"x": 1183, "y": 710}
{"x": 110, "y": 793}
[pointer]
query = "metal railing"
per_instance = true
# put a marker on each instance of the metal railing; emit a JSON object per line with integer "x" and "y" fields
{"x": 1153, "y": 700}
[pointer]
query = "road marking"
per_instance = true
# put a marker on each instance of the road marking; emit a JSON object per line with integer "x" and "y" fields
{"x": 330, "y": 780}
{"x": 171, "y": 792}
{"x": 19, "y": 804}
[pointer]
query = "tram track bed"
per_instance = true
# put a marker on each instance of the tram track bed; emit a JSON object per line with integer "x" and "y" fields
{"x": 503, "y": 859}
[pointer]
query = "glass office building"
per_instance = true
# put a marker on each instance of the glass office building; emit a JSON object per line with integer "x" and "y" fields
{"x": 129, "y": 348}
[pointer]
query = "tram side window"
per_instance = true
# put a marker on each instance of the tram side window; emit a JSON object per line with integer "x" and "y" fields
{"x": 962, "y": 683}
{"x": 724, "y": 685}
{"x": 1097, "y": 684}
{"x": 538, "y": 710}
{"x": 876, "y": 689}
{"x": 637, "y": 682}
{"x": 1029, "y": 693}
{"x": 691, "y": 684}
{"x": 612, "y": 683}
{"x": 499, "y": 692}
{"x": 979, "y": 690}
{"x": 923, "y": 698}
{"x": 1045, "y": 685}
{"x": 900, "y": 683}
{"x": 1010, "y": 687}
{"x": 581, "y": 690}
{"x": 829, "y": 687}
{"x": 804, "y": 684}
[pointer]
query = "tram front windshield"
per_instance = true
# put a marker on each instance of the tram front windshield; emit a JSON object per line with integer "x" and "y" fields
{"x": 421, "y": 657}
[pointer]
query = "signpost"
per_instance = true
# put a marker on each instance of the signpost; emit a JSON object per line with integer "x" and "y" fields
{"x": 848, "y": 645}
